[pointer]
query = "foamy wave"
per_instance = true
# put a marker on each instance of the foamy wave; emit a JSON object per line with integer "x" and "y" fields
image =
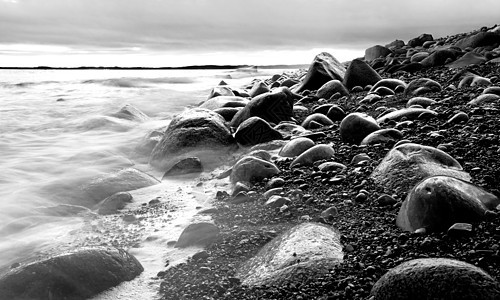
{"x": 136, "y": 82}
{"x": 24, "y": 84}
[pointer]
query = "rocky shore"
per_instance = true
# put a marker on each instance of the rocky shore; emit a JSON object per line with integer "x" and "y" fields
{"x": 374, "y": 179}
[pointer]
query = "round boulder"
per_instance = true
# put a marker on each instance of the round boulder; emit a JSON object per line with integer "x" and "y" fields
{"x": 330, "y": 88}
{"x": 296, "y": 147}
{"x": 376, "y": 52}
{"x": 421, "y": 86}
{"x": 382, "y": 136}
{"x": 318, "y": 118}
{"x": 313, "y": 154}
{"x": 251, "y": 168}
{"x": 390, "y": 83}
{"x": 254, "y": 131}
{"x": 324, "y": 68}
{"x": 359, "y": 73}
{"x": 198, "y": 234}
{"x": 356, "y": 126}
{"x": 184, "y": 166}
{"x": 410, "y": 113}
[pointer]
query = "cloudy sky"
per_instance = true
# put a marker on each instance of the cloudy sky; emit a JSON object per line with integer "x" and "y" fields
{"x": 190, "y": 32}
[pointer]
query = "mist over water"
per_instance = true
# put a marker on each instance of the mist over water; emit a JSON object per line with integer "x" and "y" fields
{"x": 57, "y": 132}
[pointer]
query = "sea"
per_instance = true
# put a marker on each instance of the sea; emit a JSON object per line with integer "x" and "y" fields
{"x": 57, "y": 132}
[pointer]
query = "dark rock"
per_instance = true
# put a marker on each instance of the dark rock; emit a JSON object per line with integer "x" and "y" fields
{"x": 335, "y": 113}
{"x": 251, "y": 168}
{"x": 410, "y": 113}
{"x": 276, "y": 201}
{"x": 419, "y": 56}
{"x": 76, "y": 275}
{"x": 484, "y": 99}
{"x": 322, "y": 109}
{"x": 470, "y": 58}
{"x": 438, "y": 202}
{"x": 313, "y": 154}
{"x": 329, "y": 213}
{"x": 296, "y": 147}
{"x": 184, "y": 166}
{"x": 224, "y": 102}
{"x": 198, "y": 234}
{"x": 359, "y": 158}
{"x": 307, "y": 248}
{"x": 194, "y": 133}
{"x": 458, "y": 230}
{"x": 479, "y": 39}
{"x": 112, "y": 204}
{"x": 440, "y": 58}
{"x": 492, "y": 90}
{"x": 324, "y": 68}
{"x": 436, "y": 278}
{"x": 376, "y": 52}
{"x": 227, "y": 113}
{"x": 318, "y": 118}
{"x": 359, "y": 73}
{"x": 255, "y": 130}
{"x": 388, "y": 83}
{"x": 420, "y": 40}
{"x": 384, "y": 91}
{"x": 422, "y": 85}
{"x": 330, "y": 88}
{"x": 258, "y": 88}
{"x": 356, "y": 126}
{"x": 382, "y": 136}
{"x": 386, "y": 200}
{"x": 275, "y": 182}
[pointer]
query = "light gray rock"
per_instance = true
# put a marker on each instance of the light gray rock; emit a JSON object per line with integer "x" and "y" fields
{"x": 224, "y": 102}
{"x": 296, "y": 147}
{"x": 112, "y": 204}
{"x": 313, "y": 154}
{"x": 198, "y": 234}
{"x": 251, "y": 168}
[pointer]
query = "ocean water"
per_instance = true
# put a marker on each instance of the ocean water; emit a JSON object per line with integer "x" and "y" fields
{"x": 57, "y": 132}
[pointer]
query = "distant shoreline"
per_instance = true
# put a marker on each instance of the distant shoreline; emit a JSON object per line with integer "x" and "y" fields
{"x": 197, "y": 67}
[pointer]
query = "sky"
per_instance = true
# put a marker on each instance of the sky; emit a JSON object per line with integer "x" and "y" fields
{"x": 156, "y": 33}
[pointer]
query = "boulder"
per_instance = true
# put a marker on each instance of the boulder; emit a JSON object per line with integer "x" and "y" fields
{"x": 307, "y": 249}
{"x": 439, "y": 58}
{"x": 196, "y": 132}
{"x": 330, "y": 88}
{"x": 129, "y": 112}
{"x": 421, "y": 86}
{"x": 254, "y": 131}
{"x": 470, "y": 58}
{"x": 436, "y": 278}
{"x": 480, "y": 39}
{"x": 376, "y": 52}
{"x": 359, "y": 73}
{"x": 221, "y": 90}
{"x": 290, "y": 129}
{"x": 420, "y": 40}
{"x": 251, "y": 168}
{"x": 422, "y": 101}
{"x": 228, "y": 113}
{"x": 336, "y": 113}
{"x": 396, "y": 44}
{"x": 259, "y": 87}
{"x": 112, "y": 204}
{"x": 296, "y": 147}
{"x": 124, "y": 180}
{"x": 407, "y": 164}
{"x": 410, "y": 113}
{"x": 224, "y": 101}
{"x": 419, "y": 56}
{"x": 313, "y": 154}
{"x": 198, "y": 234}
{"x": 324, "y": 68}
{"x": 74, "y": 275}
{"x": 438, "y": 202}
{"x": 382, "y": 136}
{"x": 274, "y": 107}
{"x": 184, "y": 166}
{"x": 390, "y": 83}
{"x": 484, "y": 99}
{"x": 356, "y": 126}
{"x": 277, "y": 201}
{"x": 318, "y": 118}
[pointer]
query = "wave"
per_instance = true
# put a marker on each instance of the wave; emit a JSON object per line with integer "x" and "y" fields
{"x": 25, "y": 84}
{"x": 138, "y": 82}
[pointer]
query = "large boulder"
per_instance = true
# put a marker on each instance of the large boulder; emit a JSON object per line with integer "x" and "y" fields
{"x": 436, "y": 278}
{"x": 421, "y": 86}
{"x": 274, "y": 107}
{"x": 480, "y": 39}
{"x": 470, "y": 58}
{"x": 420, "y": 40}
{"x": 356, "y": 126}
{"x": 251, "y": 168}
{"x": 196, "y": 132}
{"x": 439, "y": 58}
{"x": 198, "y": 234}
{"x": 382, "y": 136}
{"x": 254, "y": 131}
{"x": 407, "y": 164}
{"x": 307, "y": 249}
{"x": 74, "y": 275}
{"x": 359, "y": 73}
{"x": 296, "y": 147}
{"x": 324, "y": 68}
{"x": 259, "y": 87}
{"x": 376, "y": 52}
{"x": 124, "y": 180}
{"x": 313, "y": 154}
{"x": 438, "y": 202}
{"x": 330, "y": 88}
{"x": 224, "y": 101}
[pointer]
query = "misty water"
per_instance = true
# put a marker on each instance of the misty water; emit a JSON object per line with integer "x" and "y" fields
{"x": 57, "y": 132}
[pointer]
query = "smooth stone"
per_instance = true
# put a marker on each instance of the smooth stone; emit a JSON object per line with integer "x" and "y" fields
{"x": 296, "y": 147}
{"x": 492, "y": 90}
{"x": 322, "y": 109}
{"x": 316, "y": 247}
{"x": 440, "y": 57}
{"x": 460, "y": 230}
{"x": 330, "y": 88}
{"x": 410, "y": 113}
{"x": 423, "y": 101}
{"x": 484, "y": 99}
{"x": 131, "y": 113}
{"x": 239, "y": 187}
{"x": 417, "y": 87}
{"x": 420, "y": 40}
{"x": 224, "y": 102}
{"x": 124, "y": 180}
{"x": 331, "y": 166}
{"x": 407, "y": 164}
{"x": 289, "y": 82}
{"x": 384, "y": 91}
{"x": 329, "y": 213}
{"x": 459, "y": 117}
{"x": 277, "y": 201}
{"x": 195, "y": 132}
{"x": 356, "y": 126}
{"x": 321, "y": 119}
{"x": 274, "y": 107}
{"x": 375, "y": 52}
{"x": 76, "y": 275}
{"x": 259, "y": 87}
{"x": 468, "y": 59}
{"x": 359, "y": 158}
{"x": 241, "y": 197}
{"x": 227, "y": 113}
{"x": 479, "y": 39}
{"x": 313, "y": 154}
{"x": 220, "y": 90}
{"x": 382, "y": 136}
{"x": 418, "y": 57}
{"x": 112, "y": 204}
{"x": 275, "y": 182}
{"x": 359, "y": 73}
{"x": 198, "y": 234}
{"x": 188, "y": 165}
{"x": 386, "y": 200}
{"x": 336, "y": 113}
{"x": 324, "y": 68}
{"x": 255, "y": 130}
{"x": 438, "y": 202}
{"x": 251, "y": 168}
{"x": 436, "y": 278}
{"x": 388, "y": 83}
{"x": 272, "y": 192}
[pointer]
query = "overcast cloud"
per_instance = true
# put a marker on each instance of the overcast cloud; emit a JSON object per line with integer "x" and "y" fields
{"x": 203, "y": 26}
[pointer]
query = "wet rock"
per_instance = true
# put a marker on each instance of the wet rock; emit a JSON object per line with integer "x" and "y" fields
{"x": 114, "y": 203}
{"x": 186, "y": 165}
{"x": 409, "y": 163}
{"x": 224, "y": 102}
{"x": 485, "y": 99}
{"x": 198, "y": 234}
{"x": 321, "y": 119}
{"x": 251, "y": 168}
{"x": 438, "y": 202}
{"x": 359, "y": 159}
{"x": 422, "y": 86}
{"x": 384, "y": 91}
{"x": 296, "y": 147}
{"x": 129, "y": 112}
{"x": 122, "y": 181}
{"x": 272, "y": 192}
{"x": 254, "y": 131}
{"x": 74, "y": 275}
{"x": 324, "y": 68}
{"x": 274, "y": 107}
{"x": 330, "y": 88}
{"x": 313, "y": 154}
{"x": 259, "y": 87}
{"x": 277, "y": 201}
{"x": 436, "y": 278}
{"x": 359, "y": 73}
{"x": 227, "y": 113}
{"x": 194, "y": 133}
{"x": 309, "y": 248}
{"x": 356, "y": 126}
{"x": 388, "y": 83}
{"x": 382, "y": 136}
{"x": 376, "y": 52}
{"x": 335, "y": 113}
{"x": 410, "y": 113}
{"x": 220, "y": 90}
{"x": 275, "y": 182}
